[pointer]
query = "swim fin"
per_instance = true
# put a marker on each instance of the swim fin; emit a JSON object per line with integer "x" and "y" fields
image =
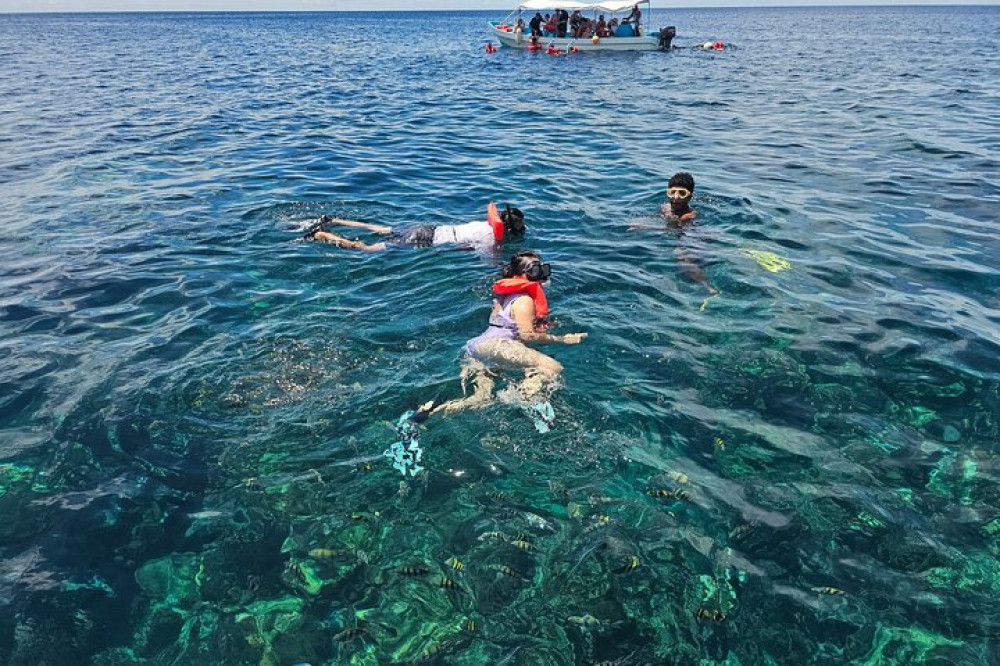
{"x": 542, "y": 415}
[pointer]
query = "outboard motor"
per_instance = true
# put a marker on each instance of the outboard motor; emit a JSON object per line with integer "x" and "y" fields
{"x": 666, "y": 36}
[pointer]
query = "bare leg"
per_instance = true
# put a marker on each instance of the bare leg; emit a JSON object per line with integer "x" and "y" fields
{"x": 541, "y": 372}
{"x": 482, "y": 389}
{"x": 340, "y": 241}
{"x": 380, "y": 229}
{"x": 690, "y": 268}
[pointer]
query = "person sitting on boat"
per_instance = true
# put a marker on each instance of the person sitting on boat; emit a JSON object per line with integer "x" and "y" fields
{"x": 575, "y": 21}
{"x": 613, "y": 27}
{"x": 497, "y": 228}
{"x": 550, "y": 25}
{"x": 519, "y": 29}
{"x": 518, "y": 319}
{"x": 634, "y": 18}
{"x": 536, "y": 25}
{"x": 601, "y": 29}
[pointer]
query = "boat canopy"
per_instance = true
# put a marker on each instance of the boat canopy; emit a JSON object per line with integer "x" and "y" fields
{"x": 604, "y": 5}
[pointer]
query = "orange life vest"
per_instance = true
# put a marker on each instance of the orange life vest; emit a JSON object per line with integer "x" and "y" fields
{"x": 522, "y": 285}
{"x": 496, "y": 222}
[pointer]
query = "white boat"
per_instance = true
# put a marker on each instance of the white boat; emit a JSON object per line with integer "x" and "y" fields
{"x": 508, "y": 34}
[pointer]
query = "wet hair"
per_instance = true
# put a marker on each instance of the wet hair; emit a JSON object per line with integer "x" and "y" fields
{"x": 682, "y": 179}
{"x": 519, "y": 263}
{"x": 513, "y": 219}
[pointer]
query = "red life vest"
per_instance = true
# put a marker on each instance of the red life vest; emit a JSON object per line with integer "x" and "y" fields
{"x": 522, "y": 285}
{"x": 496, "y": 222}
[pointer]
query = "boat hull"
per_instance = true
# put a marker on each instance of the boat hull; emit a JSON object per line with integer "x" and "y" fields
{"x": 644, "y": 43}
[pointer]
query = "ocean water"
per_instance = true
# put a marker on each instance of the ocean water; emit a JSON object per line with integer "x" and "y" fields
{"x": 194, "y": 406}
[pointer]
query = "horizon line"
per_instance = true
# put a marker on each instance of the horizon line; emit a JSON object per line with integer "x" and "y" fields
{"x": 855, "y": 4}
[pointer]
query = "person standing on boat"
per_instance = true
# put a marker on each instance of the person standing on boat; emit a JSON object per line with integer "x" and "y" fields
{"x": 561, "y": 24}
{"x": 494, "y": 230}
{"x": 518, "y": 319}
{"x": 536, "y": 25}
{"x": 634, "y": 18}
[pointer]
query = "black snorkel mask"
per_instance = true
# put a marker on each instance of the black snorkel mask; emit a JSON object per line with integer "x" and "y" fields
{"x": 538, "y": 272}
{"x": 512, "y": 223}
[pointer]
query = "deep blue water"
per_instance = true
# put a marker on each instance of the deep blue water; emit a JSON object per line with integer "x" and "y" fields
{"x": 193, "y": 406}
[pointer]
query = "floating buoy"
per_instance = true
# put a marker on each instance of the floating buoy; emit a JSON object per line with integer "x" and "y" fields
{"x": 595, "y": 39}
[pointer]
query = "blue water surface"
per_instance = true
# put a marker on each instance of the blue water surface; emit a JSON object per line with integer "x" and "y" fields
{"x": 194, "y": 405}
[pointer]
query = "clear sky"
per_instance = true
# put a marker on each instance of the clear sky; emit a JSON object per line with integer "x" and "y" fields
{"x": 386, "y": 5}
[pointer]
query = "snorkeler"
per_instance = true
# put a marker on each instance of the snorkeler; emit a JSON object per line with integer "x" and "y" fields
{"x": 494, "y": 230}
{"x": 679, "y": 214}
{"x": 518, "y": 318}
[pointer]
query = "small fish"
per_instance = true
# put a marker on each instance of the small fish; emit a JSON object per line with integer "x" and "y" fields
{"x": 361, "y": 516}
{"x": 505, "y": 570}
{"x": 631, "y": 564}
{"x": 413, "y": 571}
{"x": 599, "y": 522}
{"x": 449, "y": 584}
{"x": 587, "y": 620}
{"x": 710, "y": 614}
{"x": 470, "y": 626}
{"x": 558, "y": 489}
{"x": 742, "y": 530}
{"x": 539, "y": 523}
{"x": 596, "y": 500}
{"x": 669, "y": 493}
{"x": 349, "y": 634}
{"x": 521, "y": 536}
{"x": 432, "y": 650}
{"x": 455, "y": 563}
{"x": 327, "y": 553}
{"x": 679, "y": 477}
{"x": 720, "y": 444}
{"x": 497, "y": 495}
{"x": 492, "y": 536}
{"x": 526, "y": 546}
{"x": 574, "y": 510}
{"x": 404, "y": 490}
{"x": 365, "y": 467}
{"x": 828, "y": 590}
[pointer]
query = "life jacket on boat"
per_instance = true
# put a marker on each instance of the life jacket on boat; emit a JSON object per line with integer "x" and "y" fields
{"x": 496, "y": 222}
{"x": 522, "y": 285}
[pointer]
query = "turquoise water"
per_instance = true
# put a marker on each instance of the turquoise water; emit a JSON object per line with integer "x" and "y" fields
{"x": 194, "y": 406}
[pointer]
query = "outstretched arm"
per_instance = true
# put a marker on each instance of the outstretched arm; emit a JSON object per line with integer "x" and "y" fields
{"x": 524, "y": 316}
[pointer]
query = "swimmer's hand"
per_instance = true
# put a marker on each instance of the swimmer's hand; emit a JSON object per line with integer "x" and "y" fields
{"x": 381, "y": 230}
{"x": 573, "y": 338}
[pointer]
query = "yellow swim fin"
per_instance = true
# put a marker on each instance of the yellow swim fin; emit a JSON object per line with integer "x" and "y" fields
{"x": 769, "y": 261}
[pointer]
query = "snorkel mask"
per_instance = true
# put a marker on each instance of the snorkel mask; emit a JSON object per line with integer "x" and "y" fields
{"x": 513, "y": 220}
{"x": 538, "y": 271}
